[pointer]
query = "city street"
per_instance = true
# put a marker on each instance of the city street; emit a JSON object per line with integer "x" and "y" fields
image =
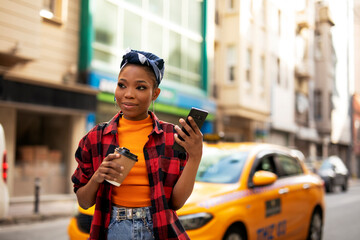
{"x": 343, "y": 215}
{"x": 342, "y": 221}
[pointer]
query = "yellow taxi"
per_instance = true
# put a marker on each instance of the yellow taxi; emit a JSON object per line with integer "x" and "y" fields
{"x": 249, "y": 191}
{"x": 79, "y": 226}
{"x": 254, "y": 191}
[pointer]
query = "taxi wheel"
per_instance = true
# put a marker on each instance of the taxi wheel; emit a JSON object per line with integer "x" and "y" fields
{"x": 315, "y": 230}
{"x": 234, "y": 233}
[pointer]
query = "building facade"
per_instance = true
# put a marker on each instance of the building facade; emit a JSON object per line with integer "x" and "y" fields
{"x": 43, "y": 107}
{"x": 173, "y": 30}
{"x": 277, "y": 77}
{"x": 241, "y": 46}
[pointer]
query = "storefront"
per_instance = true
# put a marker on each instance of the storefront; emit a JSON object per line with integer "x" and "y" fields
{"x": 43, "y": 123}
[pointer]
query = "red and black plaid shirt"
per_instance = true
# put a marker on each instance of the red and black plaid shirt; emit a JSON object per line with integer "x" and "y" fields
{"x": 164, "y": 166}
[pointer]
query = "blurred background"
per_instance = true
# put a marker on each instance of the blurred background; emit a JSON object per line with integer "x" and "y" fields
{"x": 277, "y": 71}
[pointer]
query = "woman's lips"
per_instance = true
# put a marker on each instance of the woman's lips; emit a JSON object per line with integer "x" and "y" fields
{"x": 129, "y": 105}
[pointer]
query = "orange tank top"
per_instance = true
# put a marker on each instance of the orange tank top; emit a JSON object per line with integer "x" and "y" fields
{"x": 135, "y": 189}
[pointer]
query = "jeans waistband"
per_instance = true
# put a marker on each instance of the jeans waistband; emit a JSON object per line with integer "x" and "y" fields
{"x": 124, "y": 213}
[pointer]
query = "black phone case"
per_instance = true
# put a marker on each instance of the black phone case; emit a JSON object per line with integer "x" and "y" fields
{"x": 199, "y": 117}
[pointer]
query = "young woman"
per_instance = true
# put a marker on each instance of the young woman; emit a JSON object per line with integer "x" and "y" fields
{"x": 144, "y": 205}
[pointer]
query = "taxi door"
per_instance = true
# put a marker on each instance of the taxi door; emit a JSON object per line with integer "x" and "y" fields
{"x": 293, "y": 192}
{"x": 264, "y": 205}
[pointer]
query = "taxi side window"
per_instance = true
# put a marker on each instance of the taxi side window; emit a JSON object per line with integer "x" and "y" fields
{"x": 290, "y": 166}
{"x": 266, "y": 164}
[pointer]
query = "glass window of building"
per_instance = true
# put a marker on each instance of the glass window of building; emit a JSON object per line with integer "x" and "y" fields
{"x": 156, "y": 7}
{"x": 132, "y": 30}
{"x": 262, "y": 14}
{"x": 54, "y": 10}
{"x": 175, "y": 11}
{"x": 231, "y": 63}
{"x": 278, "y": 72}
{"x": 135, "y": 2}
{"x": 318, "y": 105}
{"x": 195, "y": 18}
{"x": 105, "y": 23}
{"x": 248, "y": 66}
{"x": 105, "y": 38}
{"x": 175, "y": 49}
{"x": 157, "y": 26}
{"x": 194, "y": 56}
{"x": 155, "y": 36}
{"x": 230, "y": 5}
{"x": 262, "y": 76}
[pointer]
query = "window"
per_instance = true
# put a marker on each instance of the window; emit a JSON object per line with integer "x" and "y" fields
{"x": 156, "y": 7}
{"x": 175, "y": 50}
{"x": 266, "y": 164}
{"x": 262, "y": 75}
{"x": 279, "y": 22}
{"x": 105, "y": 23}
{"x": 195, "y": 21}
{"x": 317, "y": 103}
{"x": 262, "y": 13}
{"x": 278, "y": 72}
{"x": 230, "y": 5}
{"x": 54, "y": 10}
{"x": 331, "y": 105}
{"x": 175, "y": 11}
{"x": 132, "y": 34}
{"x": 289, "y": 166}
{"x": 231, "y": 63}
{"x": 155, "y": 36}
{"x": 248, "y": 66}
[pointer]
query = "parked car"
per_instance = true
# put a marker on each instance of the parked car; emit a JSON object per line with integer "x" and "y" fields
{"x": 251, "y": 191}
{"x": 334, "y": 173}
{"x": 4, "y": 194}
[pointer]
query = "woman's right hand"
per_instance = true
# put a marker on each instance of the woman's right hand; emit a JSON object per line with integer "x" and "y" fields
{"x": 108, "y": 169}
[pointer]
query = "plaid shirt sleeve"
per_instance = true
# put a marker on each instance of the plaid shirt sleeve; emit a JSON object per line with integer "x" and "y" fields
{"x": 83, "y": 156}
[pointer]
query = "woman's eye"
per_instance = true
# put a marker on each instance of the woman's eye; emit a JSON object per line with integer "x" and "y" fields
{"x": 121, "y": 85}
{"x": 141, "y": 87}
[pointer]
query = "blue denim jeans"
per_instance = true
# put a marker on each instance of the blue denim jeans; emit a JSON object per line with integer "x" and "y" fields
{"x": 137, "y": 228}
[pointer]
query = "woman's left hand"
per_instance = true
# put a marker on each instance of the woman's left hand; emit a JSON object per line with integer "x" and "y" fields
{"x": 193, "y": 143}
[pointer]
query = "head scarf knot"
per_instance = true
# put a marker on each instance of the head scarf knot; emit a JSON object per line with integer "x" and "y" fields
{"x": 147, "y": 59}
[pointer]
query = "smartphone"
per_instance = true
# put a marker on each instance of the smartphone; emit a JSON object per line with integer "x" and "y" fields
{"x": 199, "y": 116}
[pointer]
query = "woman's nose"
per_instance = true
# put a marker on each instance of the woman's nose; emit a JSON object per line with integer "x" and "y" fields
{"x": 129, "y": 93}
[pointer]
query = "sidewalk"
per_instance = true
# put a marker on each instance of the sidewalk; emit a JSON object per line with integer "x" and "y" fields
{"x": 21, "y": 209}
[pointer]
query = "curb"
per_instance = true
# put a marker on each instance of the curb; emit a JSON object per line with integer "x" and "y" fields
{"x": 32, "y": 218}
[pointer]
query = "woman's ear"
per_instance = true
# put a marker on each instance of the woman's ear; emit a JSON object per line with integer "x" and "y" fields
{"x": 156, "y": 94}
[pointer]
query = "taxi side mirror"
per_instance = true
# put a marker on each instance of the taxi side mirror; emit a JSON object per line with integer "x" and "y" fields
{"x": 263, "y": 178}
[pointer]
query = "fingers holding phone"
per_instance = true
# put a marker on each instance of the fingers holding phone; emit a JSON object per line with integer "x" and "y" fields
{"x": 189, "y": 137}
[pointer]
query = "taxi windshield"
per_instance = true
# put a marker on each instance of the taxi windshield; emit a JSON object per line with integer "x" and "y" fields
{"x": 220, "y": 166}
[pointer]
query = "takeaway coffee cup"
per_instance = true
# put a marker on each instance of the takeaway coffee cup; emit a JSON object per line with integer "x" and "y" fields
{"x": 127, "y": 159}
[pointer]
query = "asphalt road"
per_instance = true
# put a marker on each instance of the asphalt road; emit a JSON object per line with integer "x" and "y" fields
{"x": 53, "y": 230}
{"x": 342, "y": 221}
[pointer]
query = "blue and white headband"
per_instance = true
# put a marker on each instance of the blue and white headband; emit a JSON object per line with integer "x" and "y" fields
{"x": 145, "y": 58}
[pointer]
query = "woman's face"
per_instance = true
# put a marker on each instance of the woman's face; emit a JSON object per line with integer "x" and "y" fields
{"x": 135, "y": 91}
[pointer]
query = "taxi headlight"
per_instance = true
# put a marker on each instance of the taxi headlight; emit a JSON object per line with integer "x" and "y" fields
{"x": 194, "y": 221}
